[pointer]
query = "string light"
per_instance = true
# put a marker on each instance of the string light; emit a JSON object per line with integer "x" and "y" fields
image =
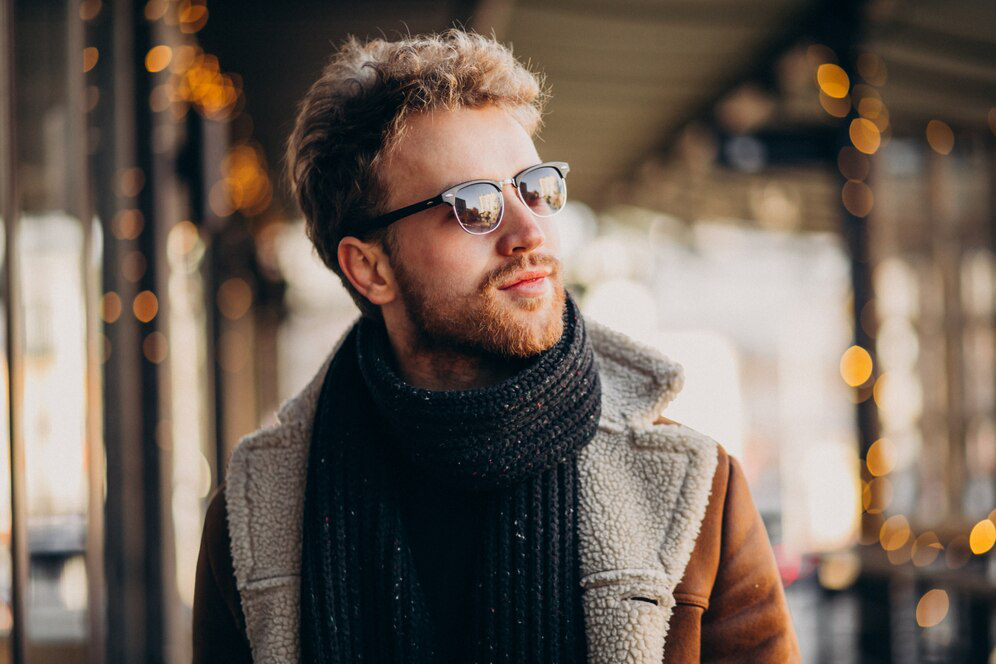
{"x": 196, "y": 80}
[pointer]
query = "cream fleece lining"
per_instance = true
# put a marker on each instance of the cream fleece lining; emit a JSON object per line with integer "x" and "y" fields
{"x": 643, "y": 495}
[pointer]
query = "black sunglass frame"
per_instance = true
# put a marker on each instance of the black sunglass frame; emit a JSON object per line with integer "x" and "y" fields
{"x": 449, "y": 197}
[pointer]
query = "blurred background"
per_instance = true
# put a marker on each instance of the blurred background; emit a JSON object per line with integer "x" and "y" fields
{"x": 792, "y": 198}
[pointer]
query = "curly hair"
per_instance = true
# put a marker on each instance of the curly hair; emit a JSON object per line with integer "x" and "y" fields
{"x": 355, "y": 114}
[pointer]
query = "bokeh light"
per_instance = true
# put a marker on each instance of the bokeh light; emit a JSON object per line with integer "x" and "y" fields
{"x": 926, "y": 548}
{"x": 865, "y": 135}
{"x": 833, "y": 80}
{"x": 872, "y": 68}
{"x": 881, "y": 457}
{"x": 855, "y": 366}
{"x": 852, "y": 164}
{"x": 158, "y": 58}
{"x": 857, "y": 197}
{"x": 246, "y": 184}
{"x": 182, "y": 239}
{"x": 902, "y": 554}
{"x": 129, "y": 182}
{"x": 156, "y": 9}
{"x": 932, "y": 608}
{"x": 110, "y": 307}
{"x": 873, "y": 109}
{"x": 876, "y": 495}
{"x": 192, "y": 16}
{"x": 234, "y": 298}
{"x": 199, "y": 81}
{"x": 983, "y": 537}
{"x": 895, "y": 532}
{"x": 145, "y": 306}
{"x": 133, "y": 265}
{"x": 127, "y": 224}
{"x": 89, "y": 9}
{"x": 839, "y": 570}
{"x": 155, "y": 347}
{"x": 90, "y": 57}
{"x": 940, "y": 137}
{"x": 838, "y": 108}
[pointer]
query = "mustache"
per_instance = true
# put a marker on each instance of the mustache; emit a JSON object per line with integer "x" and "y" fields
{"x": 518, "y": 264}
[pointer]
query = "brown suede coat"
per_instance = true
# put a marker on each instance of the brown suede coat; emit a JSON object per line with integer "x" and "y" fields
{"x": 730, "y": 603}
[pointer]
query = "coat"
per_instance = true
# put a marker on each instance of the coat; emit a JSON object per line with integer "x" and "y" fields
{"x": 676, "y": 565}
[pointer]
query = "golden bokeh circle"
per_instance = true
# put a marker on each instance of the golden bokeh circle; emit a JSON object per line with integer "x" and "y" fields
{"x": 833, "y": 80}
{"x": 932, "y": 608}
{"x": 110, "y": 307}
{"x": 983, "y": 537}
{"x": 158, "y": 58}
{"x": 856, "y": 366}
{"x": 881, "y": 457}
{"x": 865, "y": 135}
{"x": 857, "y": 197}
{"x": 895, "y": 532}
{"x": 940, "y": 137}
{"x": 146, "y": 306}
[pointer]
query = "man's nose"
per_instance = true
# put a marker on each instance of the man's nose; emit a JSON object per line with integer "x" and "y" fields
{"x": 520, "y": 230}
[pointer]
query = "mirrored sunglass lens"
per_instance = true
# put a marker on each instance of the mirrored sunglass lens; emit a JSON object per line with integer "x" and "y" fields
{"x": 544, "y": 191}
{"x": 478, "y": 207}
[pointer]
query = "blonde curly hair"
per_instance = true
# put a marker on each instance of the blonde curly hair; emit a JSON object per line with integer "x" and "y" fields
{"x": 356, "y": 112}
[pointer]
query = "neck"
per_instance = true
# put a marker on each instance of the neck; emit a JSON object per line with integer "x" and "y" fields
{"x": 435, "y": 368}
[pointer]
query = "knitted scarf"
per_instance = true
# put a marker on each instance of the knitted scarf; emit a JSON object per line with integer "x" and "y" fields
{"x": 516, "y": 442}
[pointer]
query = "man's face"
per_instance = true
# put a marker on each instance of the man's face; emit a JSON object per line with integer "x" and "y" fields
{"x": 459, "y": 291}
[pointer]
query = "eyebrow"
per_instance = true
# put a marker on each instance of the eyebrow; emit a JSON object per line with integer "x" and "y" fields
{"x": 458, "y": 182}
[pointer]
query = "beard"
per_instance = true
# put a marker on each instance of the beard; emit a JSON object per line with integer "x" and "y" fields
{"x": 486, "y": 323}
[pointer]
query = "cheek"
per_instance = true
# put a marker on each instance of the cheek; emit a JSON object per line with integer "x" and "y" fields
{"x": 449, "y": 265}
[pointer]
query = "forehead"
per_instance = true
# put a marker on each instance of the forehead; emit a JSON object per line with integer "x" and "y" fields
{"x": 442, "y": 148}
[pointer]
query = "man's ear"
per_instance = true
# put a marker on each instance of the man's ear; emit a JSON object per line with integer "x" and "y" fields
{"x": 368, "y": 268}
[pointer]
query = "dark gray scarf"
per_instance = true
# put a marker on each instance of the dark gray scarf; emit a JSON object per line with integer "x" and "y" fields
{"x": 516, "y": 442}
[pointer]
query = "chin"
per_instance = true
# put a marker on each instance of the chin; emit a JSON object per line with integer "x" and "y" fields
{"x": 525, "y": 327}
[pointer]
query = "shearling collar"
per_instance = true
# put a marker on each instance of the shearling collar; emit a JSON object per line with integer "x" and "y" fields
{"x": 643, "y": 492}
{"x": 637, "y": 382}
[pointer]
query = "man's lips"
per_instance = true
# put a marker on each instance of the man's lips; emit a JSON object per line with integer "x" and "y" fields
{"x": 524, "y": 276}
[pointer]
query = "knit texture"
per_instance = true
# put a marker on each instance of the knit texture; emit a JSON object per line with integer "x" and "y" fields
{"x": 515, "y": 442}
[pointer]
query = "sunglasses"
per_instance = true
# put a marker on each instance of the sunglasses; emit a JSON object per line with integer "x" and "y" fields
{"x": 479, "y": 205}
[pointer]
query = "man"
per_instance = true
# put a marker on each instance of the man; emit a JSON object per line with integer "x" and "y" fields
{"x": 476, "y": 473}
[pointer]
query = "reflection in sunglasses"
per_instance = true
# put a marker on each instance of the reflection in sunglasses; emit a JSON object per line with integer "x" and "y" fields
{"x": 485, "y": 213}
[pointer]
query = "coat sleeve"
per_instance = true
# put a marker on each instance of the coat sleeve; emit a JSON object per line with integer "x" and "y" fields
{"x": 219, "y": 626}
{"x": 748, "y": 618}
